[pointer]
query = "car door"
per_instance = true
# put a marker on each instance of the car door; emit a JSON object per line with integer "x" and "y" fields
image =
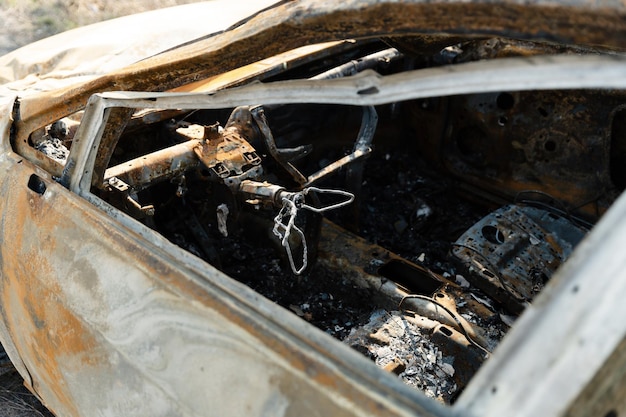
{"x": 105, "y": 317}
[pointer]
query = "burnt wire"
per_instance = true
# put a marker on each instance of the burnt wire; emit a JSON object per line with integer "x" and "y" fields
{"x": 451, "y": 313}
{"x": 562, "y": 210}
{"x": 191, "y": 113}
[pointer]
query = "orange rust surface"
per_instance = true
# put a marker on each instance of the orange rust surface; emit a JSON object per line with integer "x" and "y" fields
{"x": 251, "y": 71}
{"x": 36, "y": 317}
{"x": 52, "y": 340}
{"x": 158, "y": 165}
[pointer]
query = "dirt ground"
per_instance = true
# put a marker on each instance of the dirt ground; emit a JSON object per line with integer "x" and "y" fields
{"x": 23, "y": 22}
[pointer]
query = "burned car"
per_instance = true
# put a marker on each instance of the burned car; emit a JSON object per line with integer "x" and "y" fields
{"x": 366, "y": 208}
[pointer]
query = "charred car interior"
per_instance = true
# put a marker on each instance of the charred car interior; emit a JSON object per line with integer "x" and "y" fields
{"x": 415, "y": 231}
{"x": 410, "y": 195}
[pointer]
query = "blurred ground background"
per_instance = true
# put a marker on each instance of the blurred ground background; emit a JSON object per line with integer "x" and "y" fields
{"x": 23, "y": 22}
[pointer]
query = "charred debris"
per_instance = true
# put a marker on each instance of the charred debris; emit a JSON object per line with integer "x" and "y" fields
{"x": 415, "y": 232}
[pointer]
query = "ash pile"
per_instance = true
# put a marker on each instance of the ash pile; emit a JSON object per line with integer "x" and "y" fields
{"x": 401, "y": 344}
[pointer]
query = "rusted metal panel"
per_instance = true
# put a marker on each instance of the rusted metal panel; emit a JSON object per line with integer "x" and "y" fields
{"x": 83, "y": 53}
{"x": 513, "y": 74}
{"x": 6, "y": 107}
{"x": 539, "y": 134}
{"x": 143, "y": 171}
{"x": 565, "y": 337}
{"x": 293, "y": 24}
{"x": 226, "y": 155}
{"x": 161, "y": 332}
{"x": 267, "y": 67}
{"x": 511, "y": 253}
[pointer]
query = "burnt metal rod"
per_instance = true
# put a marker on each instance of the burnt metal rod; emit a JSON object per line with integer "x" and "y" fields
{"x": 357, "y": 65}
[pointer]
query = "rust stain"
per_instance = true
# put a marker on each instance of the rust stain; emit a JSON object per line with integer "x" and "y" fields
{"x": 335, "y": 380}
{"x": 294, "y": 24}
{"x": 143, "y": 171}
{"x": 51, "y": 339}
{"x": 56, "y": 331}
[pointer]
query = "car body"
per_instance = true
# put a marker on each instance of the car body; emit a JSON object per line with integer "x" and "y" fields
{"x": 106, "y": 313}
